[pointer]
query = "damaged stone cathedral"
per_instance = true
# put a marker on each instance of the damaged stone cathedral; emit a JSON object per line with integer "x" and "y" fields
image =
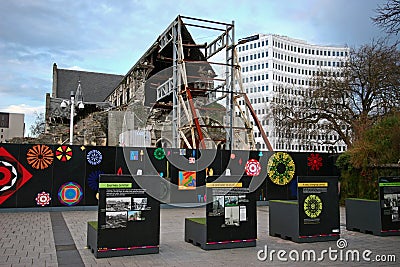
{"x": 180, "y": 94}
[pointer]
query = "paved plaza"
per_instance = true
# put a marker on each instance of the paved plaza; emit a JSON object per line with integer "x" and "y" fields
{"x": 33, "y": 238}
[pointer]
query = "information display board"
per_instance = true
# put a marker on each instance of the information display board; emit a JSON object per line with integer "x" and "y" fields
{"x": 389, "y": 189}
{"x": 128, "y": 217}
{"x": 318, "y": 206}
{"x": 231, "y": 220}
{"x": 231, "y": 215}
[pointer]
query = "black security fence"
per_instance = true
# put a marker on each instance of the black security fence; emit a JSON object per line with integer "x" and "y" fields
{"x": 67, "y": 175}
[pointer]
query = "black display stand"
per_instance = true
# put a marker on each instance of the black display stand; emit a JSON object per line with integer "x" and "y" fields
{"x": 128, "y": 218}
{"x": 314, "y": 217}
{"x": 231, "y": 220}
{"x": 377, "y": 217}
{"x": 363, "y": 215}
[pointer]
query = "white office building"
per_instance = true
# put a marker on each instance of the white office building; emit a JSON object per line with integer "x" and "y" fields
{"x": 272, "y": 62}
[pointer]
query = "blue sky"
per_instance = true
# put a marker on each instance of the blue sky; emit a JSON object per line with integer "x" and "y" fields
{"x": 109, "y": 36}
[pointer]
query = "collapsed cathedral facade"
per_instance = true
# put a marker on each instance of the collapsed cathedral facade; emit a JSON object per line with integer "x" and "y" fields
{"x": 180, "y": 94}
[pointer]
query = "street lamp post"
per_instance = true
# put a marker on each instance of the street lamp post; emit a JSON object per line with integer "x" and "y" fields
{"x": 71, "y": 123}
{"x": 72, "y": 104}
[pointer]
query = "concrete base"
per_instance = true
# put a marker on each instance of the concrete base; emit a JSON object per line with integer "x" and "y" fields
{"x": 364, "y": 215}
{"x": 196, "y": 233}
{"x": 107, "y": 253}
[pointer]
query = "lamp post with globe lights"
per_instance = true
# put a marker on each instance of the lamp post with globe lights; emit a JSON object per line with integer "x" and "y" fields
{"x": 72, "y": 103}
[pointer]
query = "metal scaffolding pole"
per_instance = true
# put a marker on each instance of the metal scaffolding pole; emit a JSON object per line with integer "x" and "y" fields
{"x": 175, "y": 86}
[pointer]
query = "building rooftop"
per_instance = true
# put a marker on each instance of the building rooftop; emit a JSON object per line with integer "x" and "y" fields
{"x": 95, "y": 86}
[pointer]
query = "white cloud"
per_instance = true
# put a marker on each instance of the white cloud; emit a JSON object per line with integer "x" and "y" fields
{"x": 24, "y": 109}
{"x": 76, "y": 68}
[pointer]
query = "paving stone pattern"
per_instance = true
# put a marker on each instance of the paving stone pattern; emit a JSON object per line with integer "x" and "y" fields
{"x": 26, "y": 239}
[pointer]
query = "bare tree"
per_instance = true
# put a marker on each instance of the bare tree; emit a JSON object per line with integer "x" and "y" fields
{"x": 346, "y": 102}
{"x": 388, "y": 17}
{"x": 38, "y": 127}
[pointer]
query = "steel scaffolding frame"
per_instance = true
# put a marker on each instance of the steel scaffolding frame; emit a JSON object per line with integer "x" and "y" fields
{"x": 230, "y": 89}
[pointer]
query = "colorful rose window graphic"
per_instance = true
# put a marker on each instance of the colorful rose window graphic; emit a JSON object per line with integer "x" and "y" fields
{"x": 280, "y": 168}
{"x": 40, "y": 157}
{"x": 12, "y": 175}
{"x": 94, "y": 157}
{"x": 253, "y": 167}
{"x": 64, "y": 153}
{"x": 70, "y": 194}
{"x": 159, "y": 153}
{"x": 313, "y": 206}
{"x": 314, "y": 161}
{"x": 43, "y": 199}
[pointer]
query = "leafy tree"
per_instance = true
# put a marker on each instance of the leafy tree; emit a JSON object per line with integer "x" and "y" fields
{"x": 388, "y": 17}
{"x": 346, "y": 102}
{"x": 379, "y": 145}
{"x": 38, "y": 127}
{"x": 373, "y": 155}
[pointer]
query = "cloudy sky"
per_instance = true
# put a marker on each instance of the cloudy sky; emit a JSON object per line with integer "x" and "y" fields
{"x": 109, "y": 36}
